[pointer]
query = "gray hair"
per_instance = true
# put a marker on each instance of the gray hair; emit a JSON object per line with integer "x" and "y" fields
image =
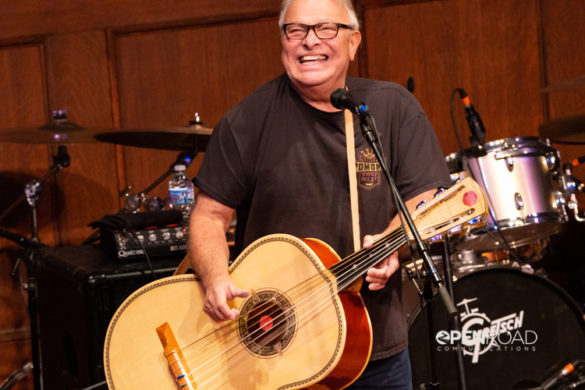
{"x": 348, "y": 4}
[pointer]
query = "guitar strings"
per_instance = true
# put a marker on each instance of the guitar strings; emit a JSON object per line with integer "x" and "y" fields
{"x": 302, "y": 284}
{"x": 274, "y": 335}
{"x": 365, "y": 256}
{"x": 346, "y": 263}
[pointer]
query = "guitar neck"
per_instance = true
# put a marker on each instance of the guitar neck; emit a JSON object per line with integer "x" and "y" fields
{"x": 449, "y": 209}
{"x": 356, "y": 265}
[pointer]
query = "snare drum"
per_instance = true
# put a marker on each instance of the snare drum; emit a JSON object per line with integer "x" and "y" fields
{"x": 518, "y": 178}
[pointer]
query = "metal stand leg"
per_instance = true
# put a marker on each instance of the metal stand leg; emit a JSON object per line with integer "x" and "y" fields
{"x": 454, "y": 323}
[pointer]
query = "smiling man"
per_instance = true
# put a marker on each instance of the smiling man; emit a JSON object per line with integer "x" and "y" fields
{"x": 279, "y": 160}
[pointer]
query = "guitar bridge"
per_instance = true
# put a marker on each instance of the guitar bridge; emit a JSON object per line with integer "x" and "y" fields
{"x": 174, "y": 355}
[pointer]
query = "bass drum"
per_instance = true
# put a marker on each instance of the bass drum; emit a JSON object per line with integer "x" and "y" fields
{"x": 516, "y": 328}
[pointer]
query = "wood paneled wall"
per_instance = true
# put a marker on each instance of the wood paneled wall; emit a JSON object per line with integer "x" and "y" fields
{"x": 143, "y": 63}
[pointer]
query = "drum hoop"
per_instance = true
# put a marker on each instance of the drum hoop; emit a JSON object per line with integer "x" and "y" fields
{"x": 571, "y": 303}
{"x": 519, "y": 146}
{"x": 565, "y": 295}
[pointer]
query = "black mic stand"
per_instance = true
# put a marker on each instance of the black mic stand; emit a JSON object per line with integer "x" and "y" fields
{"x": 368, "y": 127}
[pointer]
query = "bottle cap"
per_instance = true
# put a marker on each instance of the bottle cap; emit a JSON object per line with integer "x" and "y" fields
{"x": 179, "y": 167}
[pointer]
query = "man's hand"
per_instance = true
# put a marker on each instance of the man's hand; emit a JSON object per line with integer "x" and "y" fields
{"x": 217, "y": 294}
{"x": 378, "y": 276}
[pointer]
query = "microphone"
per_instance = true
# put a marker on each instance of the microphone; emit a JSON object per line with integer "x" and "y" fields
{"x": 410, "y": 84}
{"x": 473, "y": 120}
{"x": 340, "y": 98}
{"x": 16, "y": 376}
{"x": 578, "y": 161}
{"x": 562, "y": 373}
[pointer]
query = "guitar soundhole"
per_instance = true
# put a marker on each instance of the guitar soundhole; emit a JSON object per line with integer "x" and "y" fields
{"x": 266, "y": 324}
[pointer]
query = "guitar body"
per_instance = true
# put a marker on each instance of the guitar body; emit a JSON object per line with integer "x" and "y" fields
{"x": 293, "y": 294}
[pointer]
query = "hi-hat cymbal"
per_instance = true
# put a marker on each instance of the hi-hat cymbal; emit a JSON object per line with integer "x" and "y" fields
{"x": 193, "y": 137}
{"x": 566, "y": 85}
{"x": 59, "y": 132}
{"x": 569, "y": 130}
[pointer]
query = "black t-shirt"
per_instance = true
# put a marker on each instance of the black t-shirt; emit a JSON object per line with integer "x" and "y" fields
{"x": 282, "y": 164}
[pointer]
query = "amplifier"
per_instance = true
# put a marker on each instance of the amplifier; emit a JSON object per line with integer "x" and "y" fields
{"x": 130, "y": 244}
{"x": 79, "y": 289}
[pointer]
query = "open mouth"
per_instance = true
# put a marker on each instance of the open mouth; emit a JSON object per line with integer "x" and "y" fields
{"x": 313, "y": 58}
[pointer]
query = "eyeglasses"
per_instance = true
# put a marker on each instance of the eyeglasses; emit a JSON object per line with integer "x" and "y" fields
{"x": 298, "y": 31}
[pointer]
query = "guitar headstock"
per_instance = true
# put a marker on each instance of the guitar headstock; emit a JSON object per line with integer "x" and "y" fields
{"x": 452, "y": 208}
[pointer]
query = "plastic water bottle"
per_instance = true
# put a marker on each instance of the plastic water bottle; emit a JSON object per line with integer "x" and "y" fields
{"x": 181, "y": 192}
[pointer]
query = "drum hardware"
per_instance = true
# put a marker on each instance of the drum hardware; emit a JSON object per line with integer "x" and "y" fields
{"x": 570, "y": 185}
{"x": 134, "y": 202}
{"x": 519, "y": 176}
{"x": 425, "y": 295}
{"x": 546, "y": 329}
{"x": 32, "y": 193}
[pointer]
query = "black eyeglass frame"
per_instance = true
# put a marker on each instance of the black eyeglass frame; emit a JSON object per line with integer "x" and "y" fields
{"x": 313, "y": 27}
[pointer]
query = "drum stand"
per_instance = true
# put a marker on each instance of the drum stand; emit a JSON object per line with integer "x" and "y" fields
{"x": 426, "y": 294}
{"x": 133, "y": 202}
{"x": 454, "y": 323}
{"x": 32, "y": 192}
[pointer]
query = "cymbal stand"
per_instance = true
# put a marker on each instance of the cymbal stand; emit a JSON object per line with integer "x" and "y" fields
{"x": 133, "y": 202}
{"x": 32, "y": 191}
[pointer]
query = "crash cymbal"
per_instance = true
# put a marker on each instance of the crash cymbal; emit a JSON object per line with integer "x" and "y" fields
{"x": 194, "y": 137}
{"x": 566, "y": 85}
{"x": 569, "y": 130}
{"x": 58, "y": 132}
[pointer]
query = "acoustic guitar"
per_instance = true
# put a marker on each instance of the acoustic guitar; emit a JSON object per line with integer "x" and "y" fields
{"x": 304, "y": 324}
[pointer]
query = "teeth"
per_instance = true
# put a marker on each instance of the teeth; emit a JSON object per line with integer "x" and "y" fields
{"x": 312, "y": 58}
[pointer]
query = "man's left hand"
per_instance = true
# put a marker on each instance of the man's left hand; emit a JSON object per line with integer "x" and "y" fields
{"x": 378, "y": 276}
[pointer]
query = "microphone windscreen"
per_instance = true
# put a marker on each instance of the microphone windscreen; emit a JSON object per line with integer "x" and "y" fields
{"x": 340, "y": 98}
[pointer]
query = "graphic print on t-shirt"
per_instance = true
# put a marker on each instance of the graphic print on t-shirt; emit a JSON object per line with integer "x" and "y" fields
{"x": 367, "y": 169}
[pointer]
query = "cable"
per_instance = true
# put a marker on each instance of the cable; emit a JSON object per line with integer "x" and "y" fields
{"x": 146, "y": 256}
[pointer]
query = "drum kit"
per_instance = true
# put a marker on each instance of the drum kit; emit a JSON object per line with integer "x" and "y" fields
{"x": 531, "y": 195}
{"x": 516, "y": 328}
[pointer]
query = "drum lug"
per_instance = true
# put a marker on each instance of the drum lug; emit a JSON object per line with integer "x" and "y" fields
{"x": 509, "y": 163}
{"x": 518, "y": 201}
{"x": 551, "y": 161}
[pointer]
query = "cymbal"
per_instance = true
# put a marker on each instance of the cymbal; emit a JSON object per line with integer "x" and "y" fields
{"x": 570, "y": 130}
{"x": 58, "y": 132}
{"x": 194, "y": 137}
{"x": 565, "y": 85}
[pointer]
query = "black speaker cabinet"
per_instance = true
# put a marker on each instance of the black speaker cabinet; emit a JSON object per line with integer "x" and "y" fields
{"x": 79, "y": 289}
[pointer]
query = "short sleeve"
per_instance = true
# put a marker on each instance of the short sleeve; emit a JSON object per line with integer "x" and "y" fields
{"x": 222, "y": 174}
{"x": 420, "y": 164}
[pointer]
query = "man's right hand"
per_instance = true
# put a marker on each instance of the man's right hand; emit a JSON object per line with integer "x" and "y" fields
{"x": 217, "y": 294}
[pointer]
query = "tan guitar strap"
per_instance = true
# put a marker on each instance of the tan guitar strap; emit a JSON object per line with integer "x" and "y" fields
{"x": 183, "y": 266}
{"x": 353, "y": 196}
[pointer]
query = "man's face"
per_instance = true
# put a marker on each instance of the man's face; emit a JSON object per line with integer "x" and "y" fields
{"x": 312, "y": 62}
